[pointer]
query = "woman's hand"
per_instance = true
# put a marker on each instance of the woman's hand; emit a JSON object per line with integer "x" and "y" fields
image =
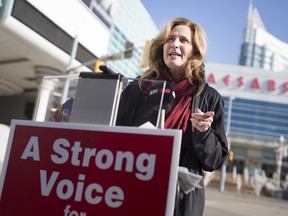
{"x": 55, "y": 114}
{"x": 202, "y": 121}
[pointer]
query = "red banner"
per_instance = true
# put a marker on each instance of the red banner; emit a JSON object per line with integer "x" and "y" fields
{"x": 63, "y": 169}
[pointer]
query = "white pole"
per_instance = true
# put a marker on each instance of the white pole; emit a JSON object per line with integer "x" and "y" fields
{"x": 224, "y": 166}
{"x": 231, "y": 98}
{"x": 68, "y": 70}
{"x": 279, "y": 161}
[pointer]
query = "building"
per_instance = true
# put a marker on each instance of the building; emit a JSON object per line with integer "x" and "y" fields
{"x": 256, "y": 100}
{"x": 256, "y": 114}
{"x": 40, "y": 38}
{"x": 260, "y": 49}
{"x": 129, "y": 24}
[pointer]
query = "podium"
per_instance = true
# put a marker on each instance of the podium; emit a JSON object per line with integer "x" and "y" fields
{"x": 106, "y": 89}
{"x": 85, "y": 168}
{"x": 91, "y": 98}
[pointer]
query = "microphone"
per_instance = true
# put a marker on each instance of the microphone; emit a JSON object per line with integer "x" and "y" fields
{"x": 155, "y": 94}
{"x": 108, "y": 69}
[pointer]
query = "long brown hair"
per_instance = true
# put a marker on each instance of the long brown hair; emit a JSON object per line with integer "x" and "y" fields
{"x": 194, "y": 71}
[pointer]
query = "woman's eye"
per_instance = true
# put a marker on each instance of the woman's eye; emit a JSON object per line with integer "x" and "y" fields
{"x": 171, "y": 38}
{"x": 184, "y": 40}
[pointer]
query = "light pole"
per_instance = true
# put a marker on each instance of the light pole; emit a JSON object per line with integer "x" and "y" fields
{"x": 279, "y": 160}
{"x": 224, "y": 165}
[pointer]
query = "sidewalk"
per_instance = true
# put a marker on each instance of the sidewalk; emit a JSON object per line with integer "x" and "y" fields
{"x": 239, "y": 204}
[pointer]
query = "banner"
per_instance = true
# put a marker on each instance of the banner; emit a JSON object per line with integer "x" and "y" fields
{"x": 78, "y": 169}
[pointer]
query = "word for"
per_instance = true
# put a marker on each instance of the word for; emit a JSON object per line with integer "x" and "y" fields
{"x": 68, "y": 212}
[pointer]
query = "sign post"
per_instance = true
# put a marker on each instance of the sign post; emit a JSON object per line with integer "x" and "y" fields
{"x": 80, "y": 169}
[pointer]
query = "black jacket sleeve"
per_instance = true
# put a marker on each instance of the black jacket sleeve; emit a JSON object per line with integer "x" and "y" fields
{"x": 211, "y": 146}
{"x": 127, "y": 105}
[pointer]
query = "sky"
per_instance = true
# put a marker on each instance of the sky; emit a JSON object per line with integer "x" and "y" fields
{"x": 223, "y": 21}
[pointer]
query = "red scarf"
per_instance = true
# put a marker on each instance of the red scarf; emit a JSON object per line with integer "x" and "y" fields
{"x": 179, "y": 115}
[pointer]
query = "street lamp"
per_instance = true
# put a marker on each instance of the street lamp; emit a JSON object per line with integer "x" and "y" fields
{"x": 279, "y": 158}
{"x": 224, "y": 165}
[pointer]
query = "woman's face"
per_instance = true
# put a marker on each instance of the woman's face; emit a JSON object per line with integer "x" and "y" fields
{"x": 178, "y": 48}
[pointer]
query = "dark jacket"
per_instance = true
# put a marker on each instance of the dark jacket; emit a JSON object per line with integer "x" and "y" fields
{"x": 199, "y": 150}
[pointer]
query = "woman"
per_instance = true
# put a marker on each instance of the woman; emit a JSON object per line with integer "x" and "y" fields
{"x": 176, "y": 55}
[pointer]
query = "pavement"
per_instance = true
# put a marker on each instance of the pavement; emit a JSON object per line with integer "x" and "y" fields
{"x": 240, "y": 204}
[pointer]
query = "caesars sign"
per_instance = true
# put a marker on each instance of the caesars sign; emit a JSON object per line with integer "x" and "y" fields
{"x": 73, "y": 169}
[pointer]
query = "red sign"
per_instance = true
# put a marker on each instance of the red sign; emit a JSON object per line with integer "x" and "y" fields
{"x": 63, "y": 169}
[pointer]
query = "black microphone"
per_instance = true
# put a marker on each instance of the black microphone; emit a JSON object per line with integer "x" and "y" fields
{"x": 155, "y": 93}
{"x": 106, "y": 69}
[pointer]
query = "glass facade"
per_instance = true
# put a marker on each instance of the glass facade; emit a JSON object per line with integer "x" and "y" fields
{"x": 260, "y": 49}
{"x": 128, "y": 22}
{"x": 131, "y": 23}
{"x": 253, "y": 122}
{"x": 255, "y": 115}
{"x": 255, "y": 119}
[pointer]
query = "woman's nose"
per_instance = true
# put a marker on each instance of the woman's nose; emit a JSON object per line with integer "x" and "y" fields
{"x": 175, "y": 44}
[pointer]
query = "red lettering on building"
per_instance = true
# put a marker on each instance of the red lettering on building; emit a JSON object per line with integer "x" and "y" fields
{"x": 240, "y": 81}
{"x": 211, "y": 79}
{"x": 271, "y": 85}
{"x": 255, "y": 84}
{"x": 226, "y": 80}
